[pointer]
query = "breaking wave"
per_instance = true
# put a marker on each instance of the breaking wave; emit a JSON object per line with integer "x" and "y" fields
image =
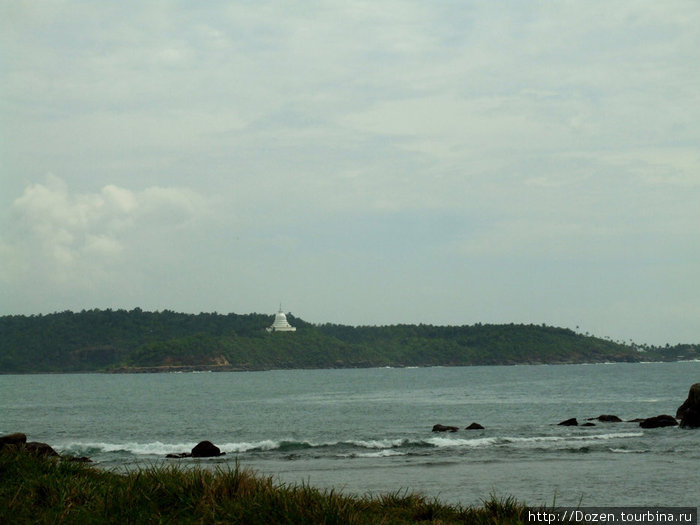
{"x": 358, "y": 448}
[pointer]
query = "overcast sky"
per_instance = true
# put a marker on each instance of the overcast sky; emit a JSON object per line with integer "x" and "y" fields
{"x": 357, "y": 162}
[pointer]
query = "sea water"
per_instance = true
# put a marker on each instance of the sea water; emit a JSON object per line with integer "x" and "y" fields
{"x": 369, "y": 430}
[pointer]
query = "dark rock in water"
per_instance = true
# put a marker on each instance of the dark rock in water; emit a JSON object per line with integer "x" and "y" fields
{"x": 606, "y": 418}
{"x": 663, "y": 420}
{"x": 206, "y": 449}
{"x": 13, "y": 439}
{"x": 636, "y": 420}
{"x": 444, "y": 428}
{"x": 689, "y": 411}
{"x": 588, "y": 424}
{"x": 475, "y": 426}
{"x": 179, "y": 455}
{"x": 40, "y": 449}
{"x": 569, "y": 422}
{"x": 691, "y": 419}
{"x": 693, "y": 401}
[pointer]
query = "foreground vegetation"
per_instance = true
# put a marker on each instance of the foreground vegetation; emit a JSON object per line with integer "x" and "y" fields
{"x": 50, "y": 490}
{"x": 107, "y": 340}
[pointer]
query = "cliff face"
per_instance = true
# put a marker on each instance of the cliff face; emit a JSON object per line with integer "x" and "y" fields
{"x": 106, "y": 340}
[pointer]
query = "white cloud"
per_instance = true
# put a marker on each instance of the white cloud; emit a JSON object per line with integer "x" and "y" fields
{"x": 102, "y": 245}
{"x": 66, "y": 237}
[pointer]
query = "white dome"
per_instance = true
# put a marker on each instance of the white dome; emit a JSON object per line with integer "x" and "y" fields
{"x": 281, "y": 324}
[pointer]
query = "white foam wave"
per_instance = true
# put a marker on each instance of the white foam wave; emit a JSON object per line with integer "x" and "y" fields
{"x": 158, "y": 448}
{"x": 266, "y": 444}
{"x": 443, "y": 442}
{"x": 380, "y": 454}
{"x": 377, "y": 443}
{"x": 376, "y": 448}
{"x": 589, "y": 437}
{"x": 457, "y": 442}
{"x": 155, "y": 448}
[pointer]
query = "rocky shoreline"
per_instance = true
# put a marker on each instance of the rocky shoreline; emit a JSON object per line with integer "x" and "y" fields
{"x": 687, "y": 416}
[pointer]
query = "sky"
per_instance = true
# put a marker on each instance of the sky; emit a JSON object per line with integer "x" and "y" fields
{"x": 364, "y": 163}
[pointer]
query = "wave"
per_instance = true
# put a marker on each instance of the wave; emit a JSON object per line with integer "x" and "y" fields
{"x": 155, "y": 448}
{"x": 158, "y": 448}
{"x": 629, "y": 451}
{"x": 444, "y": 442}
{"x": 378, "y": 454}
{"x": 588, "y": 437}
{"x": 355, "y": 448}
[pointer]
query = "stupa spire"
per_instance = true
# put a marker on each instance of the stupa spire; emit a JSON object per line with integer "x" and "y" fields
{"x": 280, "y": 323}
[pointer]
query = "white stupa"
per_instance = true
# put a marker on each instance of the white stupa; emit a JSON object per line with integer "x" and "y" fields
{"x": 281, "y": 324}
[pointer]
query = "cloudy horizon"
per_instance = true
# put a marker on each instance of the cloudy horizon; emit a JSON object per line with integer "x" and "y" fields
{"x": 361, "y": 163}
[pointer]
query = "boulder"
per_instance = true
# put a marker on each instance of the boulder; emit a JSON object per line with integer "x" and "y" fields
{"x": 13, "y": 439}
{"x": 689, "y": 411}
{"x": 40, "y": 449}
{"x": 588, "y": 424}
{"x": 35, "y": 447}
{"x": 663, "y": 420}
{"x": 569, "y": 422}
{"x": 606, "y": 418}
{"x": 691, "y": 419}
{"x": 475, "y": 426}
{"x": 444, "y": 428}
{"x": 206, "y": 449}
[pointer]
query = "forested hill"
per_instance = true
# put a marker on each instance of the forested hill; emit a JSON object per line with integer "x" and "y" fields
{"x": 136, "y": 340}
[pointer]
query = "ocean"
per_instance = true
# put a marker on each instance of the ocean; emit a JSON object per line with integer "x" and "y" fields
{"x": 366, "y": 431}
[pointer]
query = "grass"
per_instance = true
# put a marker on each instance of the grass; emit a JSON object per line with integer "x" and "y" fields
{"x": 52, "y": 490}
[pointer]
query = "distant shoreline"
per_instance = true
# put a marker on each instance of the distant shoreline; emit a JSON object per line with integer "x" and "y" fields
{"x": 218, "y": 368}
{"x": 137, "y": 341}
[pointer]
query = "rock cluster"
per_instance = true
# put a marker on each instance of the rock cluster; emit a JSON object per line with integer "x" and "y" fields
{"x": 19, "y": 440}
{"x": 688, "y": 414}
{"x": 662, "y": 420}
{"x": 450, "y": 428}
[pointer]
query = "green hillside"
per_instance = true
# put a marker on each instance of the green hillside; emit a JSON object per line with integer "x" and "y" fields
{"x": 136, "y": 340}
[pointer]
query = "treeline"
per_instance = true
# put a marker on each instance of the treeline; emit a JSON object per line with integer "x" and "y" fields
{"x": 120, "y": 340}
